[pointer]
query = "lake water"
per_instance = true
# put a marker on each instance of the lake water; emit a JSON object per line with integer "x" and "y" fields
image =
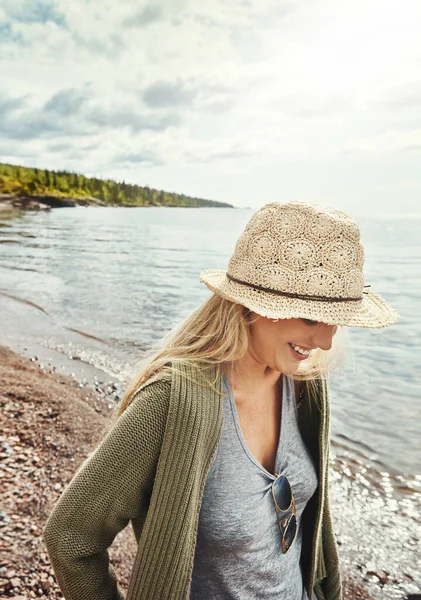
{"x": 101, "y": 285}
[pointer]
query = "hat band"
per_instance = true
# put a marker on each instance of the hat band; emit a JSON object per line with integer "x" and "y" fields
{"x": 290, "y": 295}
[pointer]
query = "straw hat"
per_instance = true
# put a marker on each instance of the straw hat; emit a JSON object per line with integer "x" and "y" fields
{"x": 299, "y": 260}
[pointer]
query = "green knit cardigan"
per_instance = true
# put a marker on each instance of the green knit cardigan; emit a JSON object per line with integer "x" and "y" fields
{"x": 151, "y": 470}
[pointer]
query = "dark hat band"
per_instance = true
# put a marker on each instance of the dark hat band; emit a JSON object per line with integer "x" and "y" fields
{"x": 290, "y": 295}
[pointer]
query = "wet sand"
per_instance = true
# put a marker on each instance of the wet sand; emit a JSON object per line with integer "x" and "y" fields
{"x": 49, "y": 425}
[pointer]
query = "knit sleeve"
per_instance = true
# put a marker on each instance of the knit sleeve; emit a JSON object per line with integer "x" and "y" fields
{"x": 112, "y": 487}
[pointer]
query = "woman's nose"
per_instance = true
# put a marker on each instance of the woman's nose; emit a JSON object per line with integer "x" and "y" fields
{"x": 324, "y": 335}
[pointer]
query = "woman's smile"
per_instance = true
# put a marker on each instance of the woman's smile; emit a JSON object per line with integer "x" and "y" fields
{"x": 298, "y": 355}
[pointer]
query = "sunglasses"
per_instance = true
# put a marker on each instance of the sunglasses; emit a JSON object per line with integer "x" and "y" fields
{"x": 285, "y": 510}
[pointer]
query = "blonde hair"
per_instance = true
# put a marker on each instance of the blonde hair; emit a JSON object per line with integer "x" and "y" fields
{"x": 217, "y": 332}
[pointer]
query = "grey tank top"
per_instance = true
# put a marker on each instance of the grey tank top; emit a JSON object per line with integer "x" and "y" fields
{"x": 238, "y": 552}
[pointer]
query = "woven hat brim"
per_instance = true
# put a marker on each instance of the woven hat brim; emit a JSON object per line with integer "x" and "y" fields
{"x": 372, "y": 312}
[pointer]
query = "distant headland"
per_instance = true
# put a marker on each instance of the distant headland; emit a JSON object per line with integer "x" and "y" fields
{"x": 30, "y": 188}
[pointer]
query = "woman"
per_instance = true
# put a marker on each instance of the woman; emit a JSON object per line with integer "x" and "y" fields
{"x": 219, "y": 456}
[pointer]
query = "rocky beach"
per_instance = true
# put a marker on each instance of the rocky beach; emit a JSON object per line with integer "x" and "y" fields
{"x": 19, "y": 202}
{"x": 50, "y": 423}
{"x": 49, "y": 426}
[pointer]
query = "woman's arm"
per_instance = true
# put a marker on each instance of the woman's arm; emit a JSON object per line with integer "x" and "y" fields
{"x": 111, "y": 487}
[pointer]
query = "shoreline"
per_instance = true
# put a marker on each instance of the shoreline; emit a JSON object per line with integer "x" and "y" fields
{"x": 50, "y": 426}
{"x": 37, "y": 202}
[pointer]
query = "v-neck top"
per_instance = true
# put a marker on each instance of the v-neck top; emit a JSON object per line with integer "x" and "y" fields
{"x": 238, "y": 552}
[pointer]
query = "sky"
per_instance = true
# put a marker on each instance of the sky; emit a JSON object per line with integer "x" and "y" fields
{"x": 245, "y": 102}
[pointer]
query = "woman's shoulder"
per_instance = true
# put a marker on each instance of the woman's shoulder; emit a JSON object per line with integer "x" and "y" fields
{"x": 157, "y": 384}
{"x": 176, "y": 379}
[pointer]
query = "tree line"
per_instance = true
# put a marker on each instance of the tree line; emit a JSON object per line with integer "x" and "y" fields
{"x": 25, "y": 181}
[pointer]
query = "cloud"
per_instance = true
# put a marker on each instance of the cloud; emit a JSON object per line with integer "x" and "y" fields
{"x": 303, "y": 105}
{"x": 143, "y": 17}
{"x": 111, "y": 47}
{"x": 33, "y": 11}
{"x": 19, "y": 122}
{"x": 197, "y": 95}
{"x": 407, "y": 95}
{"x": 240, "y": 15}
{"x": 68, "y": 146}
{"x": 221, "y": 150}
{"x": 8, "y": 34}
{"x": 137, "y": 158}
{"x": 72, "y": 113}
{"x": 65, "y": 102}
{"x": 10, "y": 150}
{"x": 8, "y": 105}
{"x": 218, "y": 98}
{"x": 388, "y": 142}
{"x": 163, "y": 94}
{"x": 30, "y": 127}
{"x": 133, "y": 120}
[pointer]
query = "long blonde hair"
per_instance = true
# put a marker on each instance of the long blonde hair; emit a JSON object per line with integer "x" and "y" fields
{"x": 217, "y": 332}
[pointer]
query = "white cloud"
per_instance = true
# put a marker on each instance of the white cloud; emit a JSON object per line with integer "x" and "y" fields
{"x": 388, "y": 142}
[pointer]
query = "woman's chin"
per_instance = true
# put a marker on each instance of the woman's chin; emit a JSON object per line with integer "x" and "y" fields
{"x": 289, "y": 368}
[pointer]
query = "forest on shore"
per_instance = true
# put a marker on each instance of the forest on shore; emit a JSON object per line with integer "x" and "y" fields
{"x": 16, "y": 180}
